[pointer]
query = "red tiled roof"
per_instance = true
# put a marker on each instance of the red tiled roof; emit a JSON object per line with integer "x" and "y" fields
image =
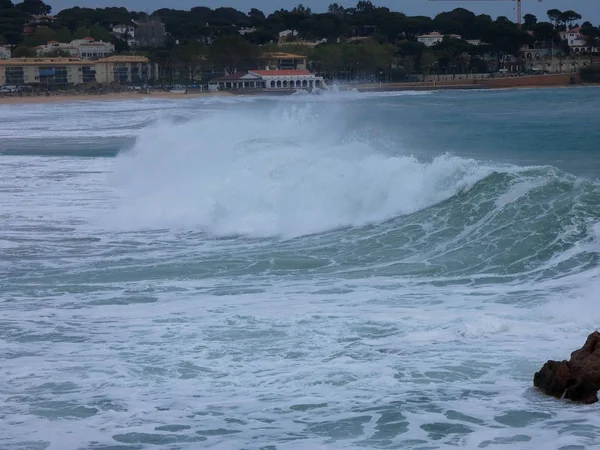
{"x": 88, "y": 39}
{"x": 232, "y": 77}
{"x": 53, "y": 42}
{"x": 278, "y": 73}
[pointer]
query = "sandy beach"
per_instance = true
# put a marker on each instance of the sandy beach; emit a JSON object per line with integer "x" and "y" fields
{"x": 121, "y": 96}
{"x": 528, "y": 82}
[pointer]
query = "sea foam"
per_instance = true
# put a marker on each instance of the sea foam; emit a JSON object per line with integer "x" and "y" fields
{"x": 289, "y": 172}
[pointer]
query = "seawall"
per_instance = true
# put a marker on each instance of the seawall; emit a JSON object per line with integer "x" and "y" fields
{"x": 562, "y": 79}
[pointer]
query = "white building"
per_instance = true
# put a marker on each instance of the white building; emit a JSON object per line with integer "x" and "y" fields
{"x": 126, "y": 31}
{"x": 244, "y": 31}
{"x": 286, "y": 35}
{"x": 268, "y": 79}
{"x": 5, "y": 52}
{"x": 53, "y": 46}
{"x": 475, "y": 42}
{"x": 89, "y": 48}
{"x": 86, "y": 48}
{"x": 434, "y": 38}
{"x": 576, "y": 40}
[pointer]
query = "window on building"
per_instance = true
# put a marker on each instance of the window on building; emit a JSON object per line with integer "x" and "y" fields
{"x": 54, "y": 75}
{"x": 121, "y": 74}
{"x": 136, "y": 76}
{"x": 89, "y": 74}
{"x": 15, "y": 75}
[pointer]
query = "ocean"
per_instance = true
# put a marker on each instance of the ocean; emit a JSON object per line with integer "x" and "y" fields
{"x": 339, "y": 271}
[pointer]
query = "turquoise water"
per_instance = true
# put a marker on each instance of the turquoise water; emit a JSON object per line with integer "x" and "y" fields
{"x": 338, "y": 271}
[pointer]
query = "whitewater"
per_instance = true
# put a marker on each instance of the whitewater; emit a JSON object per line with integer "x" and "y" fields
{"x": 336, "y": 271}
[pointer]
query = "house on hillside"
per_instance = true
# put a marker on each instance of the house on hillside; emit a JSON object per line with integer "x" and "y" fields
{"x": 434, "y": 38}
{"x": 536, "y": 50}
{"x": 5, "y": 52}
{"x": 150, "y": 33}
{"x": 123, "y": 30}
{"x": 245, "y": 31}
{"x": 125, "y": 33}
{"x": 576, "y": 41}
{"x": 86, "y": 48}
{"x": 54, "y": 46}
{"x": 287, "y": 36}
{"x": 35, "y": 21}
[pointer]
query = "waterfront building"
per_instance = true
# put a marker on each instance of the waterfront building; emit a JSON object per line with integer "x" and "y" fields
{"x": 268, "y": 79}
{"x": 63, "y": 72}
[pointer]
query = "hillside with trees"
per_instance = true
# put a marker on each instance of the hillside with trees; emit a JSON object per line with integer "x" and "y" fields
{"x": 365, "y": 41}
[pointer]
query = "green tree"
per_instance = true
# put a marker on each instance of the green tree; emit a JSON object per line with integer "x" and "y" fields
{"x": 41, "y": 36}
{"x": 546, "y": 32}
{"x": 364, "y": 6}
{"x": 336, "y": 10}
{"x": 418, "y": 25}
{"x": 590, "y": 74}
{"x": 327, "y": 60}
{"x": 413, "y": 51}
{"x": 233, "y": 52}
{"x": 505, "y": 39}
{"x": 568, "y": 17}
{"x": 257, "y": 17}
{"x": 23, "y": 52}
{"x": 82, "y": 32}
{"x": 261, "y": 37}
{"x": 100, "y": 33}
{"x": 529, "y": 20}
{"x": 366, "y": 59}
{"x": 63, "y": 34}
{"x": 592, "y": 41}
{"x": 121, "y": 46}
{"x": 37, "y": 7}
{"x": 322, "y": 26}
{"x": 191, "y": 58}
{"x": 458, "y": 21}
{"x": 453, "y": 54}
{"x": 393, "y": 27}
{"x": 555, "y": 16}
{"x": 428, "y": 62}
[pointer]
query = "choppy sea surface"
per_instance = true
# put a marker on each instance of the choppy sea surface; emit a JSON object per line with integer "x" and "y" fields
{"x": 343, "y": 271}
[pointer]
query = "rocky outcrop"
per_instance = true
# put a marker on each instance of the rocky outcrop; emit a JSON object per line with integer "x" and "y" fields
{"x": 577, "y": 379}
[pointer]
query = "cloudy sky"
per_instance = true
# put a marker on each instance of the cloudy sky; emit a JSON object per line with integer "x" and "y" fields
{"x": 589, "y": 9}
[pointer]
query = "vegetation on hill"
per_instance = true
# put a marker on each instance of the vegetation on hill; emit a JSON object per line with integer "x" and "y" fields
{"x": 366, "y": 41}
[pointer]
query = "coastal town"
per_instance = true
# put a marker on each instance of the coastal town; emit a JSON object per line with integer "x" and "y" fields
{"x": 225, "y": 50}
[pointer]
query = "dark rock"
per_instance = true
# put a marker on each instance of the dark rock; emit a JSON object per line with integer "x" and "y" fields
{"x": 577, "y": 379}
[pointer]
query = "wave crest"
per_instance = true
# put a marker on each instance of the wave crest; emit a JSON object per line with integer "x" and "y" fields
{"x": 286, "y": 173}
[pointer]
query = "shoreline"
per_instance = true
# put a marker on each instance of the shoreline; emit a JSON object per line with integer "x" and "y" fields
{"x": 392, "y": 87}
{"x": 109, "y": 97}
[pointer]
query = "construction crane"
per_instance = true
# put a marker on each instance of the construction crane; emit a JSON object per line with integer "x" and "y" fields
{"x": 519, "y": 6}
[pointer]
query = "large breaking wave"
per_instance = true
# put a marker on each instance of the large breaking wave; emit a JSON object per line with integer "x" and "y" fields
{"x": 293, "y": 172}
{"x": 284, "y": 174}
